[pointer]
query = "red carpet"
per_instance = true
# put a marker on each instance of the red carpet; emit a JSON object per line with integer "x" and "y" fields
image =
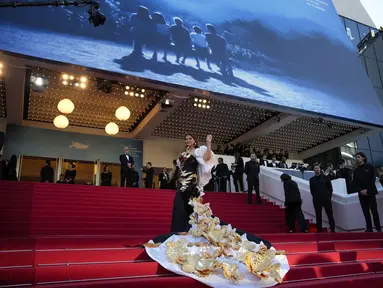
{"x": 80, "y": 236}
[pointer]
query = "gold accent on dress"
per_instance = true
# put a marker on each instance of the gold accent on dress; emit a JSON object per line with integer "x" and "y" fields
{"x": 231, "y": 272}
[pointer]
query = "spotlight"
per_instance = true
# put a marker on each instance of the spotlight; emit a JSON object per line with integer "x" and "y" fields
{"x": 137, "y": 94}
{"x": 65, "y": 82}
{"x": 127, "y": 87}
{"x": 39, "y": 81}
{"x": 83, "y": 85}
{"x": 65, "y": 76}
{"x": 142, "y": 95}
{"x": 143, "y": 90}
{"x": 131, "y": 93}
{"x": 38, "y": 84}
{"x": 95, "y": 16}
{"x": 126, "y": 93}
{"x": 166, "y": 103}
{"x": 76, "y": 84}
{"x": 83, "y": 79}
{"x": 201, "y": 103}
{"x": 71, "y": 77}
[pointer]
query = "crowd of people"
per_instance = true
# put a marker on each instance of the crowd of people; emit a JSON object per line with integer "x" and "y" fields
{"x": 360, "y": 180}
{"x": 154, "y": 33}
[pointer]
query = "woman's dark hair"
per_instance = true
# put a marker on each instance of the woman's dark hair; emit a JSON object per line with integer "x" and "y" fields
{"x": 361, "y": 154}
{"x": 72, "y": 165}
{"x": 106, "y": 166}
{"x": 13, "y": 162}
{"x": 285, "y": 177}
{"x": 191, "y": 135}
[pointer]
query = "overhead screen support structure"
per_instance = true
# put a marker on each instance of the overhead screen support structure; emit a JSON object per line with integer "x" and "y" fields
{"x": 95, "y": 17}
{"x": 16, "y": 4}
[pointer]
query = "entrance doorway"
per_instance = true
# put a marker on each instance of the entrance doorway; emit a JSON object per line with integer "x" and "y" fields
{"x": 31, "y": 166}
{"x": 84, "y": 171}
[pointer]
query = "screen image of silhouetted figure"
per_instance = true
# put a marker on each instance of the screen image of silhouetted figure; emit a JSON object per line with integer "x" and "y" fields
{"x": 127, "y": 162}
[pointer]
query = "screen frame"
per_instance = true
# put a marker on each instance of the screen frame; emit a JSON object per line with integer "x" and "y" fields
{"x": 27, "y": 62}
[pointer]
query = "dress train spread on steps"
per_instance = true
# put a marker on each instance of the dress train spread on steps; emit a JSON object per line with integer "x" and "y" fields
{"x": 206, "y": 249}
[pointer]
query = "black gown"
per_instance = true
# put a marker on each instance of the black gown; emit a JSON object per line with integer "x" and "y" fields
{"x": 187, "y": 189}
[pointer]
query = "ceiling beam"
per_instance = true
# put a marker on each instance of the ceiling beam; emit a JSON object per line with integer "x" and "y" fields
{"x": 14, "y": 78}
{"x": 157, "y": 115}
{"x": 265, "y": 128}
{"x": 338, "y": 142}
{"x": 75, "y": 129}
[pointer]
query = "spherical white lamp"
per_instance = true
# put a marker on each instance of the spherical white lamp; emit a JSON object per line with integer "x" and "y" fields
{"x": 122, "y": 113}
{"x": 61, "y": 122}
{"x": 65, "y": 106}
{"x": 111, "y": 128}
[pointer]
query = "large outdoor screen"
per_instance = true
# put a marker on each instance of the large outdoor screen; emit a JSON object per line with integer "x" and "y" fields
{"x": 292, "y": 53}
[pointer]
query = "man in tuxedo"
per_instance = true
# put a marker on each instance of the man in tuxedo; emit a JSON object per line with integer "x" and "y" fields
{"x": 252, "y": 170}
{"x": 164, "y": 179}
{"x": 222, "y": 173}
{"x": 321, "y": 190}
{"x": 126, "y": 167}
{"x": 264, "y": 161}
{"x": 273, "y": 163}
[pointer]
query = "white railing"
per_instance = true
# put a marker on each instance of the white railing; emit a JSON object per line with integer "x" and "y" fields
{"x": 347, "y": 211}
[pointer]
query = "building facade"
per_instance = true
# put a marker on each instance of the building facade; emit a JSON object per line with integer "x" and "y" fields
{"x": 358, "y": 24}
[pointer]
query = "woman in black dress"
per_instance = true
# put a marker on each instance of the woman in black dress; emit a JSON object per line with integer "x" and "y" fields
{"x": 70, "y": 174}
{"x": 195, "y": 166}
{"x": 11, "y": 169}
{"x": 106, "y": 177}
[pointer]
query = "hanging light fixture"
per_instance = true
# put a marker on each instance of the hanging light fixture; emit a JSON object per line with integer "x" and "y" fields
{"x": 111, "y": 128}
{"x": 65, "y": 106}
{"x": 122, "y": 113}
{"x": 61, "y": 122}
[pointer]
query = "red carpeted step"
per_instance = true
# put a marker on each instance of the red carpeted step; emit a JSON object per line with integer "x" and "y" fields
{"x": 109, "y": 255}
{"x": 16, "y": 258}
{"x": 313, "y": 237}
{"x": 16, "y": 276}
{"x": 17, "y": 243}
{"x": 374, "y": 281}
{"x": 97, "y": 271}
{"x": 313, "y": 272}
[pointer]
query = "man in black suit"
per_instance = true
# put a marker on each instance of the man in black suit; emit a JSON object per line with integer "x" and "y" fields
{"x": 252, "y": 170}
{"x": 126, "y": 166}
{"x": 364, "y": 183}
{"x": 273, "y": 163}
{"x": 264, "y": 162}
{"x": 222, "y": 173}
{"x": 47, "y": 173}
{"x": 164, "y": 179}
{"x": 321, "y": 190}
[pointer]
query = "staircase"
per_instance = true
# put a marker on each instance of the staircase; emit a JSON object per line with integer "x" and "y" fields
{"x": 79, "y": 236}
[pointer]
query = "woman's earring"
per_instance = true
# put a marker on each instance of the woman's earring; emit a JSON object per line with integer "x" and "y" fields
{"x": 195, "y": 144}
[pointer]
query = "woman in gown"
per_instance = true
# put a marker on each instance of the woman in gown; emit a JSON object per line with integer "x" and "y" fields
{"x": 195, "y": 172}
{"x": 200, "y": 244}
